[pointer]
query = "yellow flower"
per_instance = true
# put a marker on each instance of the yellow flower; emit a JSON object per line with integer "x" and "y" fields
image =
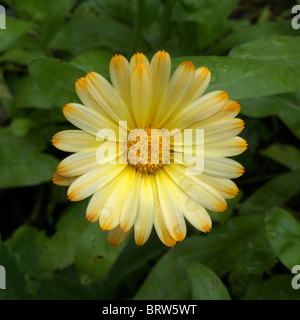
{"x": 142, "y": 195}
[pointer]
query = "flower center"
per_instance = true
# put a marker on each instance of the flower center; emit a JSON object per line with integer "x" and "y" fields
{"x": 151, "y": 150}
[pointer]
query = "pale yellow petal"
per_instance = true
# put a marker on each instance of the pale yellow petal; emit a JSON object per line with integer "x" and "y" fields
{"x": 230, "y": 110}
{"x": 145, "y": 215}
{"x": 141, "y": 95}
{"x": 87, "y": 119}
{"x": 199, "y": 110}
{"x": 161, "y": 71}
{"x": 74, "y": 141}
{"x": 159, "y": 222}
{"x": 196, "y": 189}
{"x": 194, "y": 212}
{"x": 62, "y": 181}
{"x": 170, "y": 206}
{"x": 223, "y": 168}
{"x": 97, "y": 202}
{"x": 92, "y": 181}
{"x": 227, "y": 148}
{"x": 130, "y": 207}
{"x": 110, "y": 213}
{"x": 176, "y": 93}
{"x": 120, "y": 77}
{"x": 107, "y": 98}
{"x": 84, "y": 94}
{"x": 78, "y": 163}
{"x": 136, "y": 59}
{"x": 200, "y": 84}
{"x": 116, "y": 236}
{"x": 226, "y": 187}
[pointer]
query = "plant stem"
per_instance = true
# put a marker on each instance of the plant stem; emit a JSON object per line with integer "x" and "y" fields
{"x": 166, "y": 21}
{"x": 138, "y": 26}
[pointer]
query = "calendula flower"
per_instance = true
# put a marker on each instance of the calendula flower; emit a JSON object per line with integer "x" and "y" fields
{"x": 139, "y": 195}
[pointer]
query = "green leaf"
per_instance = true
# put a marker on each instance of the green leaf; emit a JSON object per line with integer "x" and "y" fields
{"x": 56, "y": 79}
{"x": 283, "y": 232}
{"x": 213, "y": 12}
{"x": 14, "y": 29}
{"x": 95, "y": 60}
{"x": 20, "y": 55}
{"x": 21, "y": 165}
{"x": 4, "y": 92}
{"x": 247, "y": 33}
{"x": 21, "y": 126}
{"x": 60, "y": 250}
{"x": 57, "y": 12}
{"x": 118, "y": 9}
{"x": 78, "y": 241}
{"x": 129, "y": 269}
{"x": 32, "y": 10}
{"x": 28, "y": 243}
{"x": 264, "y": 67}
{"x": 202, "y": 22}
{"x": 14, "y": 278}
{"x": 205, "y": 283}
{"x": 225, "y": 215}
{"x": 286, "y": 107}
{"x": 276, "y": 288}
{"x": 241, "y": 285}
{"x": 86, "y": 33}
{"x": 94, "y": 256}
{"x": 28, "y": 94}
{"x": 62, "y": 288}
{"x": 276, "y": 192}
{"x": 269, "y": 50}
{"x": 284, "y": 154}
{"x": 240, "y": 244}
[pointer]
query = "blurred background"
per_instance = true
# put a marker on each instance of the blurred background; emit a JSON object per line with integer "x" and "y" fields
{"x": 50, "y": 250}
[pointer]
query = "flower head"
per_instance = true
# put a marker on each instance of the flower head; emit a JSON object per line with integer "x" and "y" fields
{"x": 146, "y": 124}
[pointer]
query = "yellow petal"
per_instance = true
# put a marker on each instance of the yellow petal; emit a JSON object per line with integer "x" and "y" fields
{"x": 176, "y": 92}
{"x": 130, "y": 207}
{"x": 222, "y": 168}
{"x": 145, "y": 215}
{"x": 84, "y": 95}
{"x": 120, "y": 77}
{"x": 200, "y": 83}
{"x": 227, "y": 148}
{"x": 141, "y": 94}
{"x": 170, "y": 207}
{"x": 74, "y": 141}
{"x": 87, "y": 119}
{"x": 78, "y": 163}
{"x": 159, "y": 223}
{"x": 226, "y": 187}
{"x": 98, "y": 200}
{"x": 116, "y": 236}
{"x": 110, "y": 213}
{"x": 222, "y": 130}
{"x": 136, "y": 59}
{"x": 194, "y": 212}
{"x": 92, "y": 181}
{"x": 230, "y": 110}
{"x": 161, "y": 70}
{"x": 196, "y": 189}
{"x": 200, "y": 109}
{"x": 107, "y": 98}
{"x": 62, "y": 181}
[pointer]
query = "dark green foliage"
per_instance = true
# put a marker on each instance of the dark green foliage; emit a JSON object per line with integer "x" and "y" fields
{"x": 48, "y": 248}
